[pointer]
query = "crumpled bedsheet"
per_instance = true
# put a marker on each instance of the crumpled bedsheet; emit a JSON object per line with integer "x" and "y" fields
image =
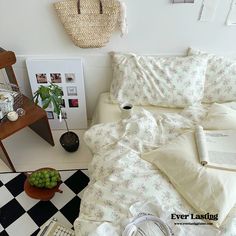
{"x": 122, "y": 185}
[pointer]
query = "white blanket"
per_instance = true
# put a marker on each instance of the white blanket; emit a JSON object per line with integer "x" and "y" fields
{"x": 122, "y": 184}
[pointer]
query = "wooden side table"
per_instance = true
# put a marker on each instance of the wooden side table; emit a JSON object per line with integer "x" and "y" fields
{"x": 35, "y": 118}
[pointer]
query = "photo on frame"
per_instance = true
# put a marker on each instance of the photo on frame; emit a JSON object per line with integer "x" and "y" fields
{"x": 41, "y": 78}
{"x": 50, "y": 115}
{"x": 73, "y": 103}
{"x": 63, "y": 115}
{"x": 72, "y": 91}
{"x": 55, "y": 77}
{"x": 70, "y": 77}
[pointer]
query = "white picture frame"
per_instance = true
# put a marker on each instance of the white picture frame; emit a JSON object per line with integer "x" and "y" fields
{"x": 68, "y": 74}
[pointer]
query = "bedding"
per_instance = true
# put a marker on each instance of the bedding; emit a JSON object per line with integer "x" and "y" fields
{"x": 122, "y": 184}
{"x": 106, "y": 111}
{"x": 220, "y": 117}
{"x": 220, "y": 83}
{"x": 208, "y": 190}
{"x": 159, "y": 81}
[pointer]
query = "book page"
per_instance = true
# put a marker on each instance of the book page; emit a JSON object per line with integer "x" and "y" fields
{"x": 221, "y": 147}
{"x": 216, "y": 148}
{"x": 222, "y": 157}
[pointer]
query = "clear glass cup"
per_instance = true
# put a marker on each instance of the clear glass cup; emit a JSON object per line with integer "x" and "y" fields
{"x": 20, "y": 112}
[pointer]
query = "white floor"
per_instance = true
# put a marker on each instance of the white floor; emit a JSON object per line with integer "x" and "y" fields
{"x": 29, "y": 152}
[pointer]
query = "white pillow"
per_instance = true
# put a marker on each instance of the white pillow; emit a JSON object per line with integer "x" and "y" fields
{"x": 220, "y": 84}
{"x": 159, "y": 81}
{"x": 208, "y": 190}
{"x": 220, "y": 117}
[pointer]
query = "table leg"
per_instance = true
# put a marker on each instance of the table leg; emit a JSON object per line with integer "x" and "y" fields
{"x": 42, "y": 128}
{"x": 4, "y": 156}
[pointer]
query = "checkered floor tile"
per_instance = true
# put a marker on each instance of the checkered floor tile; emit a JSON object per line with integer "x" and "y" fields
{"x": 21, "y": 215}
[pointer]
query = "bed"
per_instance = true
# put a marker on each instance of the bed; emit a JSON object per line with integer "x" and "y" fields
{"x": 123, "y": 184}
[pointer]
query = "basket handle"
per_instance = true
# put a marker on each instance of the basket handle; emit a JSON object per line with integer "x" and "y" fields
{"x": 100, "y": 3}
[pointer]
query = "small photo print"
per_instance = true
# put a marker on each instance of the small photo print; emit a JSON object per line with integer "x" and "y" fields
{"x": 41, "y": 78}
{"x": 70, "y": 77}
{"x": 55, "y": 77}
{"x": 72, "y": 91}
{"x": 63, "y": 115}
{"x": 73, "y": 102}
{"x": 50, "y": 115}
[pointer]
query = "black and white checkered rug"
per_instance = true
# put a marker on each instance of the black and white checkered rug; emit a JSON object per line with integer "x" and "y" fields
{"x": 21, "y": 215}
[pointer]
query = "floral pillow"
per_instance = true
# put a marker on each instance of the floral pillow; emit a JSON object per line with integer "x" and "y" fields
{"x": 158, "y": 81}
{"x": 220, "y": 83}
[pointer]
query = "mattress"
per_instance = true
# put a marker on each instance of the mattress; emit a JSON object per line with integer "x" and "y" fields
{"x": 106, "y": 111}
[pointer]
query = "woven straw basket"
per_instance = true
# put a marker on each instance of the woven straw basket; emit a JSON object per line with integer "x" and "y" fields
{"x": 89, "y": 23}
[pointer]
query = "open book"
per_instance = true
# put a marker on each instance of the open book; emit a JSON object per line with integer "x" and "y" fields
{"x": 216, "y": 148}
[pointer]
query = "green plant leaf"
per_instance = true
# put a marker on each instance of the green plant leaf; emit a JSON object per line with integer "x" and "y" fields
{"x": 56, "y": 105}
{"x": 51, "y": 94}
{"x": 36, "y": 98}
{"x": 44, "y": 92}
{"x": 46, "y": 103}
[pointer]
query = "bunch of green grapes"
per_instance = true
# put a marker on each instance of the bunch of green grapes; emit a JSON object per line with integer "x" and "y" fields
{"x": 44, "y": 178}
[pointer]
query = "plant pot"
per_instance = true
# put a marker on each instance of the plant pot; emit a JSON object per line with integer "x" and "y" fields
{"x": 43, "y": 194}
{"x": 70, "y": 141}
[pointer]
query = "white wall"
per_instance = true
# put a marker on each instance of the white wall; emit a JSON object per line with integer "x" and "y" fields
{"x": 31, "y": 27}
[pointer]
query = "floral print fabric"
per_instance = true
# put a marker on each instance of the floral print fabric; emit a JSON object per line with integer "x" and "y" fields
{"x": 158, "y": 81}
{"x": 120, "y": 179}
{"x": 220, "y": 83}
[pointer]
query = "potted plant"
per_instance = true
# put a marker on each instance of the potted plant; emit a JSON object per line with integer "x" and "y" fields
{"x": 52, "y": 94}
